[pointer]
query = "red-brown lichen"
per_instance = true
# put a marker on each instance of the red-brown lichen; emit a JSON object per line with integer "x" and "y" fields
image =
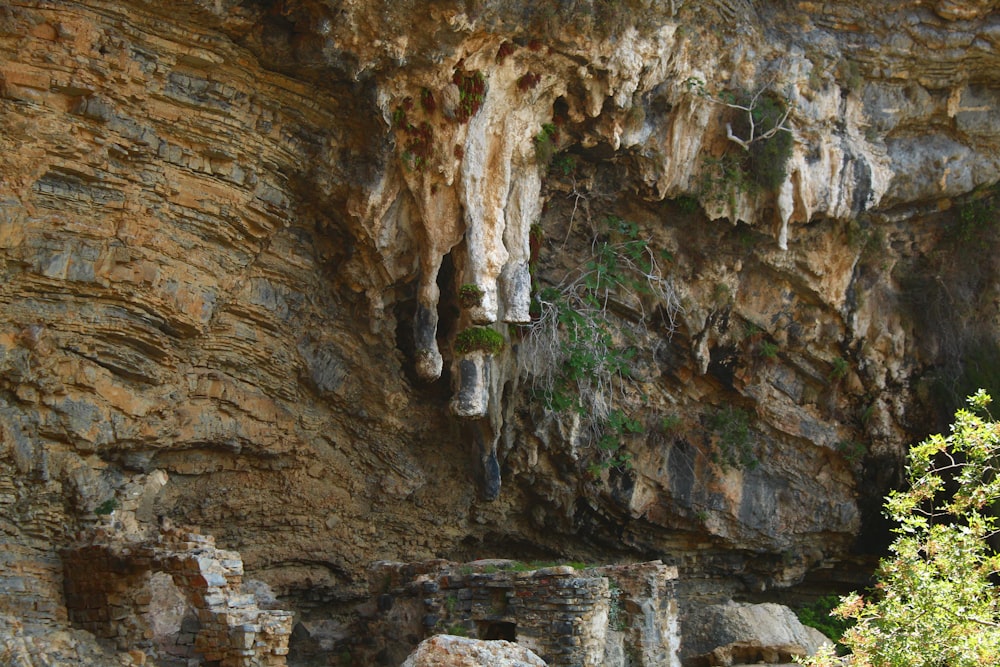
{"x": 505, "y": 50}
{"x": 528, "y": 81}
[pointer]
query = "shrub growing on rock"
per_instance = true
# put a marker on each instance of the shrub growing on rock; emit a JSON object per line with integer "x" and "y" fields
{"x": 937, "y": 601}
{"x": 771, "y": 148}
{"x": 576, "y": 350}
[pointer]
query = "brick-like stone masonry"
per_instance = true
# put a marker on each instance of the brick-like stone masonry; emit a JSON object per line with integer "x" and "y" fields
{"x": 107, "y": 593}
{"x": 570, "y": 618}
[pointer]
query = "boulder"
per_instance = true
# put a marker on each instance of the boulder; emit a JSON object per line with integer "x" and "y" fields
{"x": 452, "y": 651}
{"x": 735, "y": 633}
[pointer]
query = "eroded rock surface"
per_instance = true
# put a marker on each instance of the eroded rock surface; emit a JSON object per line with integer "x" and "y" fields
{"x": 450, "y": 651}
{"x": 235, "y": 239}
{"x": 735, "y": 633}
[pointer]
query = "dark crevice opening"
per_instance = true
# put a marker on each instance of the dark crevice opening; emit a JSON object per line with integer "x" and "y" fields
{"x": 491, "y": 630}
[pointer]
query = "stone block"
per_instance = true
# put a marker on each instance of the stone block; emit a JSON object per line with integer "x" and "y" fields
{"x": 240, "y": 601}
{"x": 230, "y": 561}
{"x": 213, "y": 599}
{"x": 46, "y": 608}
{"x": 14, "y": 584}
{"x": 563, "y": 627}
{"x": 242, "y": 637}
{"x": 214, "y": 579}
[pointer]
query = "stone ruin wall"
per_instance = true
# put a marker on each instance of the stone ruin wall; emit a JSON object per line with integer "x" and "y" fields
{"x": 108, "y": 593}
{"x": 603, "y": 616}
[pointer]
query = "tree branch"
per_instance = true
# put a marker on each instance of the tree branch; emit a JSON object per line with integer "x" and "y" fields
{"x": 698, "y": 86}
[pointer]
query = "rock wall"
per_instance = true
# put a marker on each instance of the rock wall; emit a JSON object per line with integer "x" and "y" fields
{"x": 241, "y": 243}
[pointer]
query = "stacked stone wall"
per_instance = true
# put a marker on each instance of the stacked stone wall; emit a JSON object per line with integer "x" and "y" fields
{"x": 644, "y": 627}
{"x": 107, "y": 594}
{"x": 107, "y": 588}
{"x": 580, "y": 618}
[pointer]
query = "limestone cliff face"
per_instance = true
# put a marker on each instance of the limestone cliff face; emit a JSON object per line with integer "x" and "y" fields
{"x": 234, "y": 237}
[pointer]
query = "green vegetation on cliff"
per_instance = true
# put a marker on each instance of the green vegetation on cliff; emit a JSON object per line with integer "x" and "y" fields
{"x": 577, "y": 350}
{"x": 937, "y": 601}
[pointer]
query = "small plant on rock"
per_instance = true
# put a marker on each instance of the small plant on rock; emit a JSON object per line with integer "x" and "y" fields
{"x": 852, "y": 450}
{"x": 399, "y": 118}
{"x": 427, "y": 101}
{"x": 840, "y": 369}
{"x": 617, "y": 616}
{"x": 722, "y": 295}
{"x": 505, "y": 50}
{"x": 107, "y": 507}
{"x": 482, "y": 339}
{"x": 472, "y": 93}
{"x": 734, "y": 445}
{"x": 470, "y": 295}
{"x": 458, "y": 630}
{"x": 768, "y": 350}
{"x": 687, "y": 204}
{"x": 545, "y": 143}
{"x": 618, "y": 426}
{"x": 528, "y": 81}
{"x": 724, "y": 180}
{"x": 670, "y": 423}
{"x": 419, "y": 146}
{"x": 564, "y": 164}
{"x": 978, "y": 220}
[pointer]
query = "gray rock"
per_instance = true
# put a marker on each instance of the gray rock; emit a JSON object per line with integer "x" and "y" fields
{"x": 735, "y": 632}
{"x": 452, "y": 651}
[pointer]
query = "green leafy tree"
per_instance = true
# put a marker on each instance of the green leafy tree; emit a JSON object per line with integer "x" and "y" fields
{"x": 936, "y": 603}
